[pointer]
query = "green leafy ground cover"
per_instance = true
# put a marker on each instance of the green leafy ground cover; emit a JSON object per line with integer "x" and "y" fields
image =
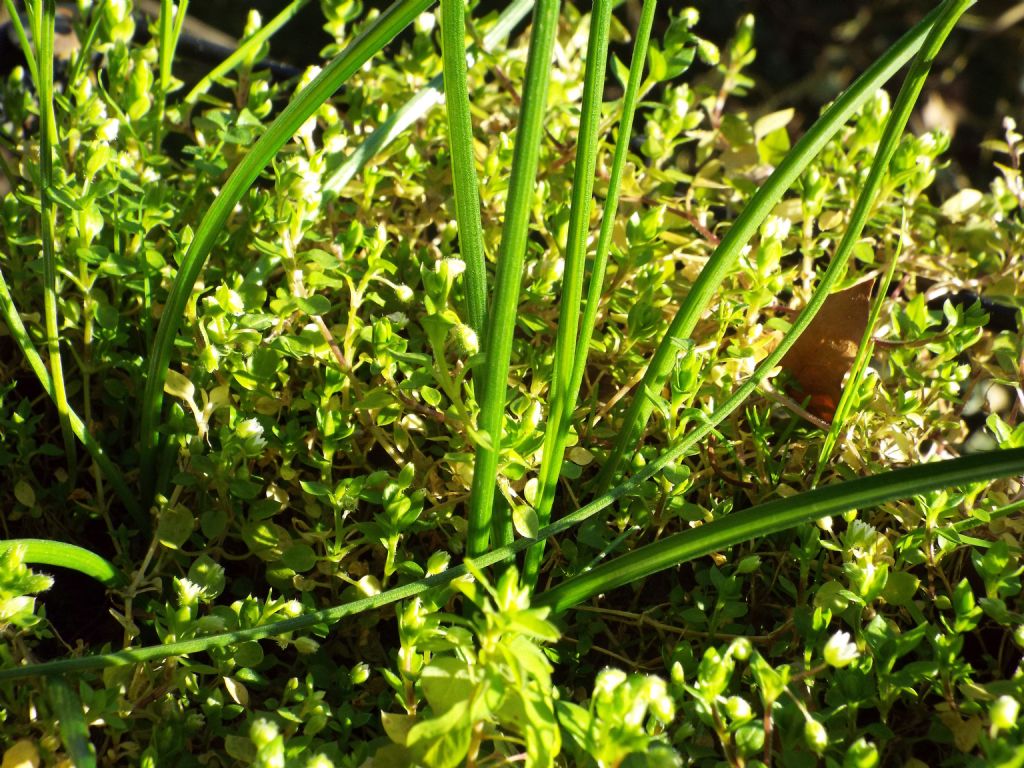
{"x": 323, "y": 429}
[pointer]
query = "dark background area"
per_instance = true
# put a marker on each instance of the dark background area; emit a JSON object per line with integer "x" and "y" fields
{"x": 808, "y": 50}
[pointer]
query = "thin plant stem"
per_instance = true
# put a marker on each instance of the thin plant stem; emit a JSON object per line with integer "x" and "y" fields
{"x": 245, "y": 50}
{"x": 169, "y": 26}
{"x": 561, "y": 396}
{"x": 460, "y": 142}
{"x": 746, "y": 225}
{"x": 950, "y": 11}
{"x": 44, "y": 20}
{"x": 762, "y": 520}
{"x": 23, "y": 41}
{"x": 860, "y": 363}
{"x": 73, "y": 728}
{"x": 501, "y": 321}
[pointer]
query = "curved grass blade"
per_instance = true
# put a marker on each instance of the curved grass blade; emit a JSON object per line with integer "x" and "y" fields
{"x": 501, "y": 321}
{"x": 47, "y": 552}
{"x": 561, "y": 396}
{"x": 426, "y": 99}
{"x": 746, "y": 225}
{"x": 741, "y": 526}
{"x": 110, "y": 471}
{"x": 70, "y": 714}
{"x": 460, "y": 142}
{"x": 396, "y": 18}
{"x": 780, "y": 515}
{"x": 245, "y": 49}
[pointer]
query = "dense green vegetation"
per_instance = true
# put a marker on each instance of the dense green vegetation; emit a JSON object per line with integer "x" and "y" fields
{"x": 372, "y": 428}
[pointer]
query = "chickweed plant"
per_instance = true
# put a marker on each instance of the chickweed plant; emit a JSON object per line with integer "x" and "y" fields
{"x": 441, "y": 367}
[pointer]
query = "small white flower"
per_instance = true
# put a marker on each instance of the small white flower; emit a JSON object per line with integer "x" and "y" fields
{"x": 108, "y": 130}
{"x": 839, "y": 651}
{"x": 608, "y": 680}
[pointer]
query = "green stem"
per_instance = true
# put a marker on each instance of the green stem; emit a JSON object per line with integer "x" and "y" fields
{"x": 561, "y": 396}
{"x": 45, "y": 19}
{"x": 416, "y": 107}
{"x": 460, "y": 141}
{"x": 170, "y": 24}
{"x": 733, "y": 529}
{"x": 245, "y": 49}
{"x": 500, "y": 329}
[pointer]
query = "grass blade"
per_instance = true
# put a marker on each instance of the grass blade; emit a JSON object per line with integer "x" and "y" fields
{"x": 460, "y": 142}
{"x": 44, "y": 19}
{"x": 780, "y": 515}
{"x": 396, "y": 18}
{"x": 497, "y": 342}
{"x": 561, "y": 396}
{"x": 74, "y": 732}
{"x": 46, "y": 552}
{"x": 746, "y": 225}
{"x": 245, "y": 49}
{"x": 23, "y": 41}
{"x": 740, "y": 526}
{"x": 169, "y": 28}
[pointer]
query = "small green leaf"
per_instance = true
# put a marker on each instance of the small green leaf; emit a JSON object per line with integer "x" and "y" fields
{"x": 446, "y": 682}
{"x": 175, "y": 526}
{"x": 900, "y": 588}
{"x": 524, "y": 518}
{"x": 314, "y": 305}
{"x": 24, "y": 493}
{"x": 299, "y": 557}
{"x": 179, "y": 385}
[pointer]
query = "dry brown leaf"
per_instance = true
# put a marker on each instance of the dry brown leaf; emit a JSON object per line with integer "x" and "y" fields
{"x": 824, "y": 353}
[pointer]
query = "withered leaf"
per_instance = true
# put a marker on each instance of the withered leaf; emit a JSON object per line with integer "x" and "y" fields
{"x": 824, "y": 353}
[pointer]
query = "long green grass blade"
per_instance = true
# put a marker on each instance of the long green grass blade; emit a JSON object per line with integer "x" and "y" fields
{"x": 561, "y": 396}
{"x": 46, "y": 552}
{"x": 245, "y": 49}
{"x": 426, "y": 99}
{"x": 398, "y": 16}
{"x": 19, "y": 333}
{"x": 779, "y": 515}
{"x": 460, "y": 142}
{"x": 74, "y": 732}
{"x": 44, "y": 18}
{"x": 746, "y": 225}
{"x": 501, "y": 321}
{"x": 172, "y": 17}
{"x": 741, "y": 526}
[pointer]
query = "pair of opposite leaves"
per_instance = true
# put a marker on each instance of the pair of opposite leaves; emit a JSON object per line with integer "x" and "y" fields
{"x": 824, "y": 353}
